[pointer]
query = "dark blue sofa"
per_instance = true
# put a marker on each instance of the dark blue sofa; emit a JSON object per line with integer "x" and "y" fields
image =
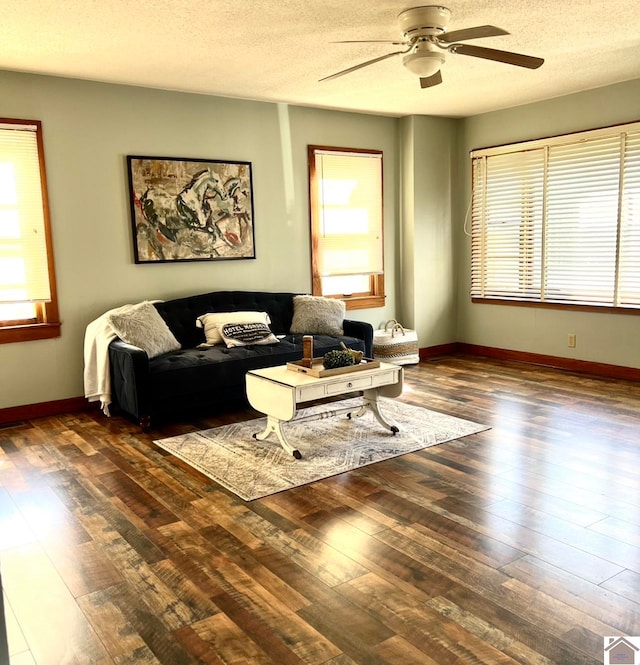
{"x": 191, "y": 380}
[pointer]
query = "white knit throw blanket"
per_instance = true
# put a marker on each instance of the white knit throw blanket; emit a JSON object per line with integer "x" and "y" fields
{"x": 97, "y": 375}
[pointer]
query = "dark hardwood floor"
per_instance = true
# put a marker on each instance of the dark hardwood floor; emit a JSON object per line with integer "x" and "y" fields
{"x": 520, "y": 544}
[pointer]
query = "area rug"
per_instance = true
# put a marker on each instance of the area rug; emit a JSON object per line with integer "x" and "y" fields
{"x": 329, "y": 446}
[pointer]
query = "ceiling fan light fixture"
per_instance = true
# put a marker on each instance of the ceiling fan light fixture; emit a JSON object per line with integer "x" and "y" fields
{"x": 423, "y": 63}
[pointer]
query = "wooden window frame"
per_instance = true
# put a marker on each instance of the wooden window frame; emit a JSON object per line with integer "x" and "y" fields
{"x": 375, "y": 297}
{"x": 46, "y": 324}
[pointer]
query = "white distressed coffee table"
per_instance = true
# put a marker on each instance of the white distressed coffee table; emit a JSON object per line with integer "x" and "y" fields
{"x": 277, "y": 392}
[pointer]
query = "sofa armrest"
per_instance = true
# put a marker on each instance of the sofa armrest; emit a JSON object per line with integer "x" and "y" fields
{"x": 363, "y": 331}
{"x": 130, "y": 379}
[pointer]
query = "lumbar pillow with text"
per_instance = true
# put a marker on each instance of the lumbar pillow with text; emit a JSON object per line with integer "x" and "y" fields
{"x": 315, "y": 315}
{"x": 211, "y": 321}
{"x": 244, "y": 334}
{"x": 142, "y": 326}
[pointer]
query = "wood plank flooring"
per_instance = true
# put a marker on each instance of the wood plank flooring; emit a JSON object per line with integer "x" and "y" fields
{"x": 517, "y": 545}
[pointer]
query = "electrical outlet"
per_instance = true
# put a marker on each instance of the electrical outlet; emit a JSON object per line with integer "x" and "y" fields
{"x": 571, "y": 341}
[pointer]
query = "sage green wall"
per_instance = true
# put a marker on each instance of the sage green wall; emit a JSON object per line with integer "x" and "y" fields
{"x": 601, "y": 337}
{"x": 89, "y": 128}
{"x": 427, "y": 273}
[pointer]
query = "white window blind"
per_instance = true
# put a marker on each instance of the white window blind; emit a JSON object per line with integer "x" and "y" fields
{"x": 558, "y": 220}
{"x": 349, "y": 213}
{"x": 24, "y": 268}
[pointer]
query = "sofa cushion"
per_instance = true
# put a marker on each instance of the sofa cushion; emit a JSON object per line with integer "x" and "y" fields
{"x": 245, "y": 334}
{"x": 142, "y": 326}
{"x": 315, "y": 315}
{"x": 212, "y": 320}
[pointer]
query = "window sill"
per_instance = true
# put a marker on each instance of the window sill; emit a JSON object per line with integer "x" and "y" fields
{"x": 556, "y": 305}
{"x": 364, "y": 302}
{"x": 28, "y": 333}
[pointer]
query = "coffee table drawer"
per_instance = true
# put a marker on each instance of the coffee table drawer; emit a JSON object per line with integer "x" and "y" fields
{"x": 360, "y": 383}
{"x": 308, "y": 393}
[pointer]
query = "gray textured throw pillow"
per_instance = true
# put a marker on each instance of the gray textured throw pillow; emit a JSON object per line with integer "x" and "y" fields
{"x": 142, "y": 326}
{"x": 315, "y": 315}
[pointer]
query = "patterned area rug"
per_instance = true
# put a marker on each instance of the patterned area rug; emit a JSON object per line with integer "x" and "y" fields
{"x": 329, "y": 446}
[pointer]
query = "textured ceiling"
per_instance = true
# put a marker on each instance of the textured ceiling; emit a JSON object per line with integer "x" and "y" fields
{"x": 277, "y": 50}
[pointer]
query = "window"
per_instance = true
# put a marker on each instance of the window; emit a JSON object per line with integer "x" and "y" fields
{"x": 557, "y": 221}
{"x": 346, "y": 225}
{"x": 28, "y": 306}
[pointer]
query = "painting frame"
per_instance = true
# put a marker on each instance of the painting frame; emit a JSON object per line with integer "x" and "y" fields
{"x": 190, "y": 209}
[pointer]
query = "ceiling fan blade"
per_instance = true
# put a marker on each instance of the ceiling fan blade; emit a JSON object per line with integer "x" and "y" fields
{"x": 472, "y": 33}
{"x": 371, "y": 41}
{"x": 361, "y": 65}
{"x": 507, "y": 57}
{"x": 430, "y": 81}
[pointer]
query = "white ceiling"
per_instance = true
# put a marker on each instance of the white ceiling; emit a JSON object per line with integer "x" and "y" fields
{"x": 277, "y": 50}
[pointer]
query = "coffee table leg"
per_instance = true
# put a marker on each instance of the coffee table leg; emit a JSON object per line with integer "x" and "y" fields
{"x": 274, "y": 425}
{"x": 375, "y": 407}
{"x": 371, "y": 402}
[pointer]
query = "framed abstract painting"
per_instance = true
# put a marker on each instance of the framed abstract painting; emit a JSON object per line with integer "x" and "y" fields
{"x": 190, "y": 209}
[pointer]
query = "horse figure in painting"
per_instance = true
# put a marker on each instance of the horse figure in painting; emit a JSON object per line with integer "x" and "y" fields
{"x": 190, "y": 209}
{"x": 231, "y": 217}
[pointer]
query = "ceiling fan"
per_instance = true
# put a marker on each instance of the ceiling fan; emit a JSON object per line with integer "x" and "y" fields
{"x": 427, "y": 41}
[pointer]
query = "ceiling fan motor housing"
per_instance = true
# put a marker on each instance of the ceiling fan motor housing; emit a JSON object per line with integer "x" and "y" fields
{"x": 431, "y": 20}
